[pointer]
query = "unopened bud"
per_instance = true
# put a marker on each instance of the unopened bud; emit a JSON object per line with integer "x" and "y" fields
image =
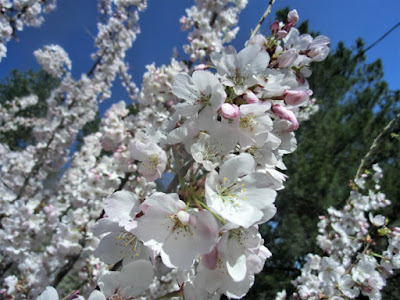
{"x": 274, "y": 27}
{"x": 287, "y": 58}
{"x": 281, "y": 34}
{"x": 229, "y": 111}
{"x": 286, "y": 114}
{"x": 250, "y": 97}
{"x": 293, "y": 17}
{"x": 200, "y": 67}
{"x": 296, "y": 97}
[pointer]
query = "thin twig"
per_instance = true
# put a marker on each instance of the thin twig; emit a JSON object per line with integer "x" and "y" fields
{"x": 175, "y": 181}
{"x": 266, "y": 13}
{"x": 375, "y": 144}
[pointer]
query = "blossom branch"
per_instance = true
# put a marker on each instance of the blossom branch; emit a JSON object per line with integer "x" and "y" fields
{"x": 266, "y": 13}
{"x": 375, "y": 144}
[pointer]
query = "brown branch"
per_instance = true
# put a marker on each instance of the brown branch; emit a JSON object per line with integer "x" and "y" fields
{"x": 375, "y": 145}
{"x": 266, "y": 13}
{"x": 175, "y": 181}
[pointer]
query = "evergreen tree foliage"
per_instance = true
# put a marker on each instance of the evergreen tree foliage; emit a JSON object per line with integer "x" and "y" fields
{"x": 20, "y": 84}
{"x": 355, "y": 104}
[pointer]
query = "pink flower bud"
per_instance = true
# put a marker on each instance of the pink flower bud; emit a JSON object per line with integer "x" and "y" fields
{"x": 229, "y": 111}
{"x": 296, "y": 97}
{"x": 286, "y": 114}
{"x": 281, "y": 34}
{"x": 200, "y": 67}
{"x": 182, "y": 20}
{"x": 287, "y": 58}
{"x": 250, "y": 97}
{"x": 48, "y": 209}
{"x": 275, "y": 26}
{"x": 293, "y": 17}
{"x": 396, "y": 229}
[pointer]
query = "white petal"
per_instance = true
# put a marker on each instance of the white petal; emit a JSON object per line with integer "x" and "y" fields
{"x": 185, "y": 88}
{"x": 205, "y": 231}
{"x": 252, "y": 60}
{"x": 179, "y": 249}
{"x": 122, "y": 205}
{"x": 49, "y": 293}
{"x": 97, "y": 295}
{"x": 136, "y": 277}
{"x": 109, "y": 249}
{"x": 205, "y": 81}
{"x": 237, "y": 166}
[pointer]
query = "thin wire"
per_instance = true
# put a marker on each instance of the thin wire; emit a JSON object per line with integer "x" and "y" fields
{"x": 369, "y": 47}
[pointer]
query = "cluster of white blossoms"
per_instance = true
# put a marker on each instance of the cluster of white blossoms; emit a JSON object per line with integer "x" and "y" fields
{"x": 221, "y": 135}
{"x": 54, "y": 60}
{"x": 214, "y": 134}
{"x": 352, "y": 264}
{"x": 9, "y": 119}
{"x": 213, "y": 24}
{"x": 16, "y": 14}
{"x": 45, "y": 220}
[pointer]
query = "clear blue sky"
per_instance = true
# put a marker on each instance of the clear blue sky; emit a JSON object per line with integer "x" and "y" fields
{"x": 73, "y": 24}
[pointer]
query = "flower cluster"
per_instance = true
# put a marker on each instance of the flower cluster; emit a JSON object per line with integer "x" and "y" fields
{"x": 19, "y": 13}
{"x": 9, "y": 118}
{"x": 54, "y": 60}
{"x": 213, "y": 24}
{"x": 351, "y": 265}
{"x": 45, "y": 224}
{"x": 222, "y": 136}
{"x": 217, "y": 136}
{"x": 165, "y": 199}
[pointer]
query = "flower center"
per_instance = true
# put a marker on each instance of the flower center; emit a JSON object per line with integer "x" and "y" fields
{"x": 151, "y": 162}
{"x": 128, "y": 243}
{"x": 231, "y": 192}
{"x": 248, "y": 122}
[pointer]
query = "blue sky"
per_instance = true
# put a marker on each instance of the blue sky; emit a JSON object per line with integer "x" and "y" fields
{"x": 73, "y": 26}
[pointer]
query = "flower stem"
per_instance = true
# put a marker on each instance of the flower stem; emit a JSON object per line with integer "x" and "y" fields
{"x": 215, "y": 215}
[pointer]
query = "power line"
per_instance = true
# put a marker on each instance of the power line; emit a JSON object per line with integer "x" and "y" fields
{"x": 380, "y": 39}
{"x": 368, "y": 48}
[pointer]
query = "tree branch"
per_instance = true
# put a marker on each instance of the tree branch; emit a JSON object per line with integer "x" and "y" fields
{"x": 266, "y": 13}
{"x": 375, "y": 144}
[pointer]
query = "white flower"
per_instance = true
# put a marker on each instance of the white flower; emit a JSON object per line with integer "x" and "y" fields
{"x": 179, "y": 235}
{"x": 49, "y": 293}
{"x": 132, "y": 281}
{"x": 239, "y": 194}
{"x": 201, "y": 91}
{"x": 239, "y": 70}
{"x": 153, "y": 158}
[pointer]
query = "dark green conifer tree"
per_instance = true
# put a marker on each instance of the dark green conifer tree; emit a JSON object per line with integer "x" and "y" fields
{"x": 20, "y": 84}
{"x": 355, "y": 104}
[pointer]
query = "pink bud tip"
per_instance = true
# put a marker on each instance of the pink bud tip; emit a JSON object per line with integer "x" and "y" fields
{"x": 286, "y": 114}
{"x": 274, "y": 27}
{"x": 229, "y": 111}
{"x": 182, "y": 20}
{"x": 200, "y": 67}
{"x": 396, "y": 229}
{"x": 296, "y": 97}
{"x": 287, "y": 58}
{"x": 281, "y": 34}
{"x": 250, "y": 97}
{"x": 293, "y": 17}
